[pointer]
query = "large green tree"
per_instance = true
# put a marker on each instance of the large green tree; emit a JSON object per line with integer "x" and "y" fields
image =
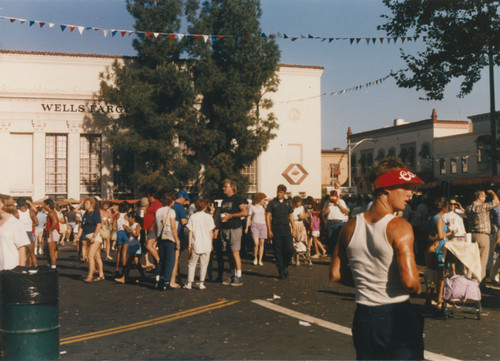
{"x": 462, "y": 37}
{"x": 157, "y": 94}
{"x": 232, "y": 75}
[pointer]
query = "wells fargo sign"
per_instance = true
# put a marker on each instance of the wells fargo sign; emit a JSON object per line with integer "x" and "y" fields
{"x": 81, "y": 108}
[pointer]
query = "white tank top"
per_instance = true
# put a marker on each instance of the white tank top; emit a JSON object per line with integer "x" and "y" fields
{"x": 374, "y": 264}
{"x": 26, "y": 221}
{"x": 121, "y": 221}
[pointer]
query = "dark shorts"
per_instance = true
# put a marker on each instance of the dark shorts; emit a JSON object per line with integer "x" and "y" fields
{"x": 121, "y": 237}
{"x": 388, "y": 332}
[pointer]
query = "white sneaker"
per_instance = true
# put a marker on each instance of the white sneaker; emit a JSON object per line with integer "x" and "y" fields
{"x": 187, "y": 286}
{"x": 255, "y": 262}
{"x": 260, "y": 263}
{"x": 202, "y": 286}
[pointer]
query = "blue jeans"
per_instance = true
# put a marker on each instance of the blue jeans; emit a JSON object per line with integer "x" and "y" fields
{"x": 334, "y": 228}
{"x": 388, "y": 332}
{"x": 166, "y": 252}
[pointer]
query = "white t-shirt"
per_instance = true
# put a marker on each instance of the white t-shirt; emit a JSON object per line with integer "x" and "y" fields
{"x": 121, "y": 221}
{"x": 200, "y": 224}
{"x": 455, "y": 222}
{"x": 334, "y": 213}
{"x": 12, "y": 237}
{"x": 160, "y": 215}
{"x": 258, "y": 214}
{"x": 298, "y": 213}
{"x": 25, "y": 218}
{"x": 133, "y": 240}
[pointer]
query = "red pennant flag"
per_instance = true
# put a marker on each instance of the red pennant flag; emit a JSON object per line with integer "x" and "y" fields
{"x": 246, "y": 35}
{"x": 293, "y": 39}
{"x": 123, "y": 32}
{"x": 12, "y": 19}
{"x": 96, "y": 29}
{"x": 41, "y": 25}
{"x": 221, "y": 36}
{"x": 172, "y": 36}
{"x": 148, "y": 34}
{"x": 381, "y": 40}
{"x": 198, "y": 37}
{"x": 71, "y": 28}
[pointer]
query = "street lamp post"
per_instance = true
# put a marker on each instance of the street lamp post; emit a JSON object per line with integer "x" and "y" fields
{"x": 350, "y": 147}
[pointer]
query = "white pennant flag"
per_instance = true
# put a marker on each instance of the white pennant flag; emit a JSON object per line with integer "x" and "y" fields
{"x": 156, "y": 34}
{"x": 22, "y": 21}
{"x": 205, "y": 38}
{"x": 105, "y": 32}
{"x": 80, "y": 29}
{"x": 51, "y": 25}
{"x": 180, "y": 36}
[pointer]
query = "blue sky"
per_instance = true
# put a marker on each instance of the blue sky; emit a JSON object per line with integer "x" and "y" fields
{"x": 345, "y": 65}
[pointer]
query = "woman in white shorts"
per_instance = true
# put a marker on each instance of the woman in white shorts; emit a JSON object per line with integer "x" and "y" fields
{"x": 257, "y": 218}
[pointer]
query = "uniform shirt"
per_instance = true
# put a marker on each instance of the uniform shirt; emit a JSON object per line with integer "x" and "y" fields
{"x": 231, "y": 205}
{"x": 280, "y": 210}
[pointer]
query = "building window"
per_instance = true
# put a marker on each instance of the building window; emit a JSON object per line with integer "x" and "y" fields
{"x": 90, "y": 165}
{"x": 250, "y": 172}
{"x": 442, "y": 166}
{"x": 123, "y": 168}
{"x": 56, "y": 165}
{"x": 465, "y": 164}
{"x": 334, "y": 171}
{"x": 453, "y": 165}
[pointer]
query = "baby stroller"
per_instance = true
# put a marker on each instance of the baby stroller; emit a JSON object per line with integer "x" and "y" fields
{"x": 301, "y": 246}
{"x": 461, "y": 288}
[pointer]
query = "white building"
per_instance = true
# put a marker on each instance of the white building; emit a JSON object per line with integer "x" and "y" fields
{"x": 47, "y": 150}
{"x": 435, "y": 149}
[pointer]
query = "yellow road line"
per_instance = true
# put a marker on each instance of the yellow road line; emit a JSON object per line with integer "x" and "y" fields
{"x": 148, "y": 323}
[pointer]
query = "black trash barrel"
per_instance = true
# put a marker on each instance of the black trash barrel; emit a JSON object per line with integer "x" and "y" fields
{"x": 29, "y": 314}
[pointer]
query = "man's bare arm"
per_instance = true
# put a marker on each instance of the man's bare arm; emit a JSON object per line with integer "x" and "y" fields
{"x": 400, "y": 234}
{"x": 339, "y": 268}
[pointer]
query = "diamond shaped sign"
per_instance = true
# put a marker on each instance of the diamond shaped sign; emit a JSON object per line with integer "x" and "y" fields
{"x": 295, "y": 173}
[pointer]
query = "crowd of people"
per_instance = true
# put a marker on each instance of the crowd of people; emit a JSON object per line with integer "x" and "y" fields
{"x": 353, "y": 230}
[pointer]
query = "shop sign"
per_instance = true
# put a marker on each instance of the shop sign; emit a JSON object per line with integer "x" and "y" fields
{"x": 295, "y": 173}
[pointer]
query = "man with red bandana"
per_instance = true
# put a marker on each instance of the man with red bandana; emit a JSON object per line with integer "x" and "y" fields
{"x": 375, "y": 254}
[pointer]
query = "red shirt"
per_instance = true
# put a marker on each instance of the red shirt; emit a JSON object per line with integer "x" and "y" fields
{"x": 149, "y": 217}
{"x": 48, "y": 224}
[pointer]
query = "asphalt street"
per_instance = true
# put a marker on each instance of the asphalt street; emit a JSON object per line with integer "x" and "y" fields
{"x": 303, "y": 317}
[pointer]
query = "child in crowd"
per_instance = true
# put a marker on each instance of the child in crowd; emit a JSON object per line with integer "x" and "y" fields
{"x": 121, "y": 236}
{"x": 315, "y": 232}
{"x": 200, "y": 226}
{"x": 133, "y": 230}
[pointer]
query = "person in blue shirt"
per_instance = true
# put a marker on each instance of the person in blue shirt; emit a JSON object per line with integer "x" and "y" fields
{"x": 181, "y": 218}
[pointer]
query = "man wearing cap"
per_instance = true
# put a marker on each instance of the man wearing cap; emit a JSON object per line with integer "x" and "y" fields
{"x": 181, "y": 218}
{"x": 375, "y": 254}
{"x": 337, "y": 214}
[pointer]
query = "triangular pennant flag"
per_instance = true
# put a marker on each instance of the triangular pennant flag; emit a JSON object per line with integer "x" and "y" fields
{"x": 89, "y": 28}
{"x": 323, "y": 40}
{"x": 330, "y": 40}
{"x": 246, "y": 35}
{"x": 198, "y": 37}
{"x": 149, "y": 34}
{"x": 302, "y": 36}
{"x": 205, "y": 38}
{"x": 415, "y": 38}
{"x": 221, "y": 37}
{"x": 96, "y": 29}
{"x": 156, "y": 34}
{"x": 172, "y": 36}
{"x": 213, "y": 38}
{"x": 351, "y": 40}
{"x": 63, "y": 27}
{"x": 263, "y": 35}
{"x": 395, "y": 40}
{"x": 105, "y": 32}
{"x": 12, "y": 19}
{"x": 293, "y": 39}
{"x": 374, "y": 40}
{"x": 71, "y": 28}
{"x": 358, "y": 40}
{"x": 80, "y": 29}
{"x": 403, "y": 40}
{"x": 381, "y": 40}
{"x": 180, "y": 36}
{"x": 22, "y": 21}
{"x": 123, "y": 32}
{"x": 51, "y": 25}
{"x": 367, "y": 41}
{"x": 31, "y": 22}
{"x": 285, "y": 36}
{"x": 272, "y": 36}
{"x": 310, "y": 36}
{"x": 113, "y": 32}
{"x": 279, "y": 35}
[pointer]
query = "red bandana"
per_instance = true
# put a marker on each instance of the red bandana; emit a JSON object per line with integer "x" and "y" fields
{"x": 400, "y": 176}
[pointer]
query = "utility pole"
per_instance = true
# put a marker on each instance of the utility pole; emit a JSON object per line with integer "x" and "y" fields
{"x": 493, "y": 120}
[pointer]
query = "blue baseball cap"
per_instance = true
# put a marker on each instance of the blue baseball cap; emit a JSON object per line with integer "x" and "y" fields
{"x": 183, "y": 193}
